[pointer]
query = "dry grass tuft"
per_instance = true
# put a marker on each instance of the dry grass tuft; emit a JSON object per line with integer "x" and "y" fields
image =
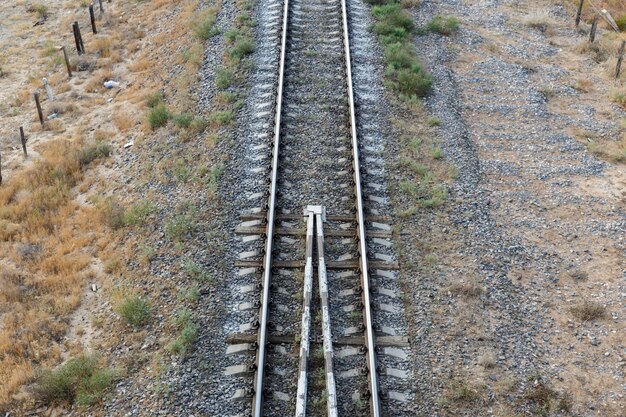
{"x": 588, "y": 310}
{"x": 538, "y": 19}
{"x": 467, "y": 289}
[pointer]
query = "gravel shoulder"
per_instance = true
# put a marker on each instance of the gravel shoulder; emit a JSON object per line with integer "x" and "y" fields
{"x": 534, "y": 227}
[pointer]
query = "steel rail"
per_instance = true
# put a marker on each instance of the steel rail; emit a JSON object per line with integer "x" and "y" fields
{"x": 306, "y": 318}
{"x": 370, "y": 343}
{"x": 331, "y": 403}
{"x": 257, "y": 408}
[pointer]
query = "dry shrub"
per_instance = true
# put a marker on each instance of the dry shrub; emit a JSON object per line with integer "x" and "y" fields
{"x": 20, "y": 98}
{"x": 467, "y": 289}
{"x": 141, "y": 65}
{"x": 538, "y": 19}
{"x": 604, "y": 48}
{"x": 61, "y": 107}
{"x": 123, "y": 120}
{"x": 103, "y": 46}
{"x": 588, "y": 310}
{"x": 55, "y": 125}
{"x": 584, "y": 85}
{"x": 407, "y": 4}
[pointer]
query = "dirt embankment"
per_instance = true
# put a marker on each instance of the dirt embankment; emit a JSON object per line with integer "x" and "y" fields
{"x": 67, "y": 213}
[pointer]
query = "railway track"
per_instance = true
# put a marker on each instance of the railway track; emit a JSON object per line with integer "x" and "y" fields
{"x": 314, "y": 337}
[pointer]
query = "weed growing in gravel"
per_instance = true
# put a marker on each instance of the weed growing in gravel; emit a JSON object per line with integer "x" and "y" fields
{"x": 467, "y": 289}
{"x": 137, "y": 214}
{"x": 243, "y": 46}
{"x": 99, "y": 150}
{"x": 147, "y": 254}
{"x": 154, "y": 100}
{"x": 214, "y": 176}
{"x": 223, "y": 78}
{"x": 415, "y": 145}
{"x": 436, "y": 152}
{"x": 538, "y": 19}
{"x": 117, "y": 217}
{"x": 433, "y": 121}
{"x": 82, "y": 380}
{"x": 438, "y": 195}
{"x": 409, "y": 188}
{"x": 442, "y": 25}
{"x": 419, "y": 169}
{"x": 158, "y": 116}
{"x": 621, "y": 23}
{"x": 542, "y": 396}
{"x": 191, "y": 294}
{"x": 134, "y": 310}
{"x": 221, "y": 118}
{"x": 198, "y": 124}
{"x": 177, "y": 228}
{"x": 196, "y": 271}
{"x": 463, "y": 392}
{"x": 181, "y": 170}
{"x": 204, "y": 27}
{"x": 430, "y": 259}
{"x": 188, "y": 333}
{"x": 182, "y": 120}
{"x": 394, "y": 27}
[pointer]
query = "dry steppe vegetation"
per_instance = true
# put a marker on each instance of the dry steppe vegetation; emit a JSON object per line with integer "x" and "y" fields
{"x": 60, "y": 223}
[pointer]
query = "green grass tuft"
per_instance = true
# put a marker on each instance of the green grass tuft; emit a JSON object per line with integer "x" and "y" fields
{"x": 223, "y": 78}
{"x": 204, "y": 28}
{"x": 187, "y": 336}
{"x": 182, "y": 120}
{"x": 221, "y": 118}
{"x": 155, "y": 99}
{"x": 134, "y": 310}
{"x": 177, "y": 228}
{"x": 81, "y": 380}
{"x": 442, "y": 25}
{"x": 158, "y": 116}
{"x": 98, "y": 151}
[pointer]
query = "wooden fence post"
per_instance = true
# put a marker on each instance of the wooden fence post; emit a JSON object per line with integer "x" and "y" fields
{"x": 80, "y": 38}
{"x": 67, "y": 62}
{"x": 594, "y": 26}
{"x": 76, "y": 39}
{"x": 92, "y": 17}
{"x": 23, "y": 139}
{"x": 579, "y": 12}
{"x": 39, "y": 112}
{"x": 618, "y": 68}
